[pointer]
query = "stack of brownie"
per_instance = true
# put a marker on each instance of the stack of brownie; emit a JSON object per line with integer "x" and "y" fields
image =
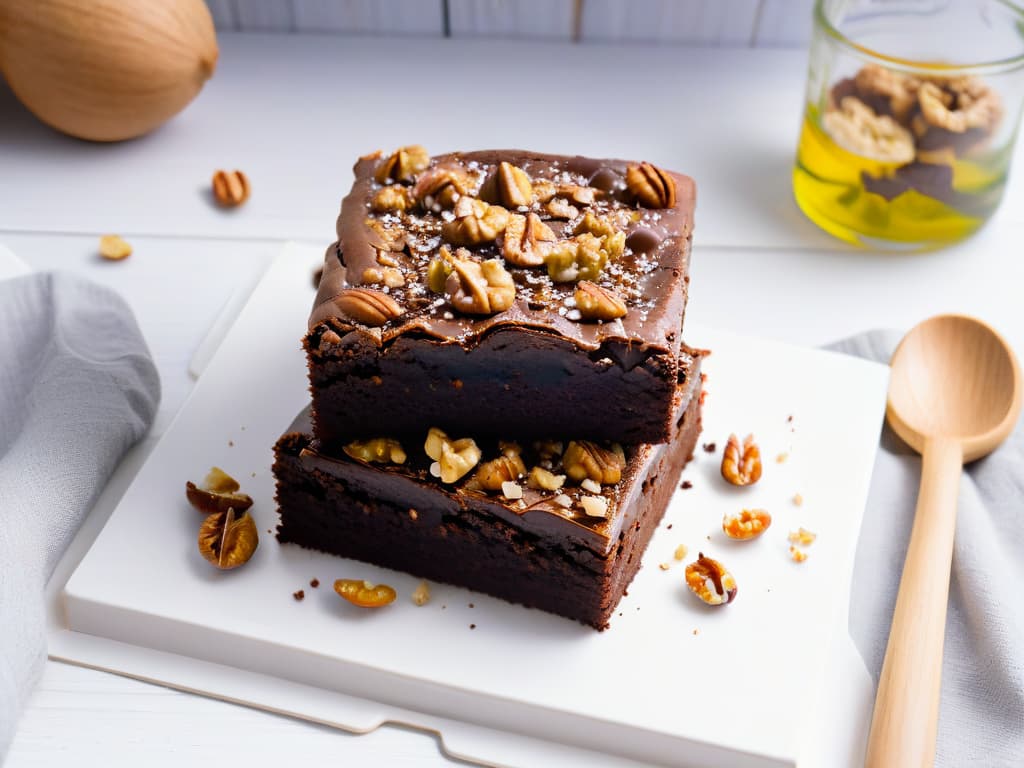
{"x": 501, "y": 396}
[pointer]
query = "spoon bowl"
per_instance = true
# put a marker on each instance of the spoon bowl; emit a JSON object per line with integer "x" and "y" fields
{"x": 954, "y": 377}
{"x": 954, "y": 396}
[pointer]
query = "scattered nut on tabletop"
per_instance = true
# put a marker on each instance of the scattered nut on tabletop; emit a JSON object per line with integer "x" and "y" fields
{"x": 421, "y": 595}
{"x": 230, "y": 188}
{"x": 228, "y": 539}
{"x": 364, "y": 594}
{"x": 114, "y": 248}
{"x": 709, "y": 581}
{"x": 748, "y": 524}
{"x": 741, "y": 467}
{"x": 218, "y": 493}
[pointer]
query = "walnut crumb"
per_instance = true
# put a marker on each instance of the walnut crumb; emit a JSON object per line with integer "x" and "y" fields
{"x": 680, "y": 553}
{"x": 709, "y": 447}
{"x": 664, "y": 566}
{"x": 590, "y": 485}
{"x": 802, "y": 536}
{"x": 299, "y": 595}
{"x": 413, "y": 514}
{"x": 781, "y": 458}
{"x": 314, "y": 583}
{"x": 511, "y": 490}
{"x": 686, "y": 485}
{"x": 797, "y": 554}
{"x": 421, "y": 595}
{"x": 798, "y": 499}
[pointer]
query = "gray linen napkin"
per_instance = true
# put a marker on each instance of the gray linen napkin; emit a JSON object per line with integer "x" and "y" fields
{"x": 981, "y": 720}
{"x": 77, "y": 389}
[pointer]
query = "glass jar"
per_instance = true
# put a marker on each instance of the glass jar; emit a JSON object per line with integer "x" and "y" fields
{"x": 911, "y": 114}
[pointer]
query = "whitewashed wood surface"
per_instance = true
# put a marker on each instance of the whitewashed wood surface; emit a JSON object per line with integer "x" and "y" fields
{"x": 739, "y": 23}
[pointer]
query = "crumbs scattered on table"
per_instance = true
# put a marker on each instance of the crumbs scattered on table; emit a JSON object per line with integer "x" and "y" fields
{"x": 664, "y": 566}
{"x": 314, "y": 583}
{"x": 802, "y": 536}
{"x": 686, "y": 485}
{"x": 299, "y": 595}
{"x": 710, "y": 447}
{"x": 470, "y": 605}
{"x": 797, "y": 554}
{"x": 781, "y": 458}
{"x": 472, "y": 626}
{"x": 789, "y": 419}
{"x": 421, "y": 595}
{"x": 696, "y": 632}
{"x": 798, "y": 499}
{"x": 680, "y": 552}
{"x": 231, "y": 443}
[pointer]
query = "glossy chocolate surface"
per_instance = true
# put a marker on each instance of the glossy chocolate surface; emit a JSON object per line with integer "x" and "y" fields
{"x": 651, "y": 274}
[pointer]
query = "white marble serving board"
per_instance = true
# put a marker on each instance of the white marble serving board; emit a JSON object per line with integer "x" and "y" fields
{"x": 671, "y": 681}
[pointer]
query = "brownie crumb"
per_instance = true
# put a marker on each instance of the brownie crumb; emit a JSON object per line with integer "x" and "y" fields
{"x": 686, "y": 485}
{"x": 709, "y": 447}
{"x": 472, "y": 626}
{"x": 470, "y": 605}
{"x": 789, "y": 419}
{"x": 413, "y": 514}
{"x": 299, "y": 595}
{"x": 696, "y": 632}
{"x": 231, "y": 443}
{"x": 314, "y": 583}
{"x": 457, "y": 383}
{"x": 668, "y": 527}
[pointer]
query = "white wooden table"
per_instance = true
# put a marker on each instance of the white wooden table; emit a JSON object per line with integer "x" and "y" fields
{"x": 293, "y": 112}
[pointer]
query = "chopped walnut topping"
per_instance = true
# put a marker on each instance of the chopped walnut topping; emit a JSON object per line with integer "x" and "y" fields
{"x": 652, "y": 187}
{"x": 527, "y": 240}
{"x": 454, "y": 458}
{"x": 367, "y": 306}
{"x": 559, "y": 208}
{"x": 580, "y": 195}
{"x": 543, "y": 190}
{"x": 563, "y": 501}
{"x": 509, "y": 185}
{"x": 476, "y": 288}
{"x": 511, "y": 490}
{"x": 475, "y": 222}
{"x": 544, "y": 480}
{"x": 381, "y": 450}
{"x": 597, "y": 303}
{"x": 590, "y": 485}
{"x": 403, "y": 164}
{"x": 595, "y": 506}
{"x": 372, "y": 276}
{"x": 393, "y": 277}
{"x": 584, "y": 459}
{"x": 583, "y": 257}
{"x": 438, "y": 270}
{"x": 441, "y": 187}
{"x": 392, "y": 198}
{"x": 492, "y": 475}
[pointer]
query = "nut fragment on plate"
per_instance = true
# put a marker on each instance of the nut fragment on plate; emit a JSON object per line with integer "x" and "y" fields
{"x": 475, "y": 222}
{"x": 856, "y": 128}
{"x": 748, "y": 524}
{"x": 379, "y": 450}
{"x": 228, "y": 539}
{"x": 479, "y": 288}
{"x": 367, "y": 306}
{"x": 230, "y": 188}
{"x": 421, "y": 595}
{"x": 741, "y": 467}
{"x": 527, "y": 240}
{"x": 802, "y": 536}
{"x": 114, "y": 248}
{"x": 597, "y": 303}
{"x": 218, "y": 493}
{"x": 797, "y": 554}
{"x": 403, "y": 164}
{"x": 709, "y": 581}
{"x": 584, "y": 460}
{"x": 680, "y": 552}
{"x": 508, "y": 185}
{"x": 453, "y": 459}
{"x": 651, "y": 186}
{"x": 364, "y": 594}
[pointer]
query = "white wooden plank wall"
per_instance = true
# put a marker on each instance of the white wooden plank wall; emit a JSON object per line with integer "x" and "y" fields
{"x": 738, "y": 23}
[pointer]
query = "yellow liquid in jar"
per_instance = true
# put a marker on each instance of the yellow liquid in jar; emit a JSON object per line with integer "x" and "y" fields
{"x": 829, "y": 188}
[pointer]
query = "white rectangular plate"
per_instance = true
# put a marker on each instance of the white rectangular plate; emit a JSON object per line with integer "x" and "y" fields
{"x": 672, "y": 681}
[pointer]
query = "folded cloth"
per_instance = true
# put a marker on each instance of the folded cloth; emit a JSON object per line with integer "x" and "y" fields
{"x": 981, "y": 719}
{"x": 77, "y": 389}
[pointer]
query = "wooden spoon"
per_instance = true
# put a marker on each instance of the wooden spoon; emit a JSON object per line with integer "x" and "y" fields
{"x": 954, "y": 395}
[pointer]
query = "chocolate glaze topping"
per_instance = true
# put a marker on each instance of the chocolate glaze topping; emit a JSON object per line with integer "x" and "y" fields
{"x": 650, "y": 275}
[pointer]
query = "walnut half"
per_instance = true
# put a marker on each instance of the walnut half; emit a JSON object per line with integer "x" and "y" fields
{"x": 475, "y": 222}
{"x": 527, "y": 240}
{"x": 452, "y": 458}
{"x": 479, "y": 288}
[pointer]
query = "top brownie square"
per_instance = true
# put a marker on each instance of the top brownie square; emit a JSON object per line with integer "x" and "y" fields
{"x": 503, "y": 292}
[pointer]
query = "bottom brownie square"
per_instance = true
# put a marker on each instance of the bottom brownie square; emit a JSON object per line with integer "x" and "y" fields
{"x": 543, "y": 550}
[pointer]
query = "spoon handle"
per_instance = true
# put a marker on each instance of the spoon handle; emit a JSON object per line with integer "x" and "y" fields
{"x": 905, "y": 719}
